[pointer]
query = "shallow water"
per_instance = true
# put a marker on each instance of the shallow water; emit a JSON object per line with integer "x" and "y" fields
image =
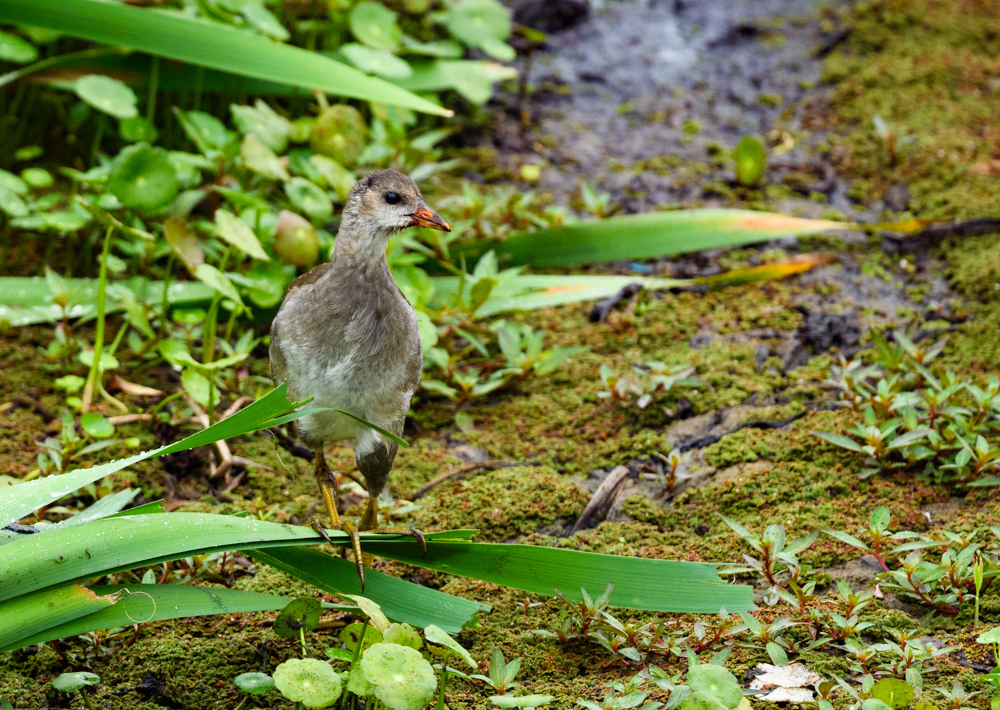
{"x": 639, "y": 80}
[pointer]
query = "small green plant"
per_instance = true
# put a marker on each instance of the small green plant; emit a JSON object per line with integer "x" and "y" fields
{"x": 943, "y": 584}
{"x": 253, "y": 684}
{"x": 596, "y": 203}
{"x": 751, "y": 161}
{"x": 308, "y": 681}
{"x": 501, "y": 674}
{"x": 59, "y": 452}
{"x": 649, "y": 383}
{"x": 958, "y": 697}
{"x": 76, "y": 682}
{"x": 914, "y": 419}
{"x": 776, "y": 557}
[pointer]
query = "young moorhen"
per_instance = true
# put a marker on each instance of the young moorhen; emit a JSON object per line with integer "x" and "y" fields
{"x": 346, "y": 336}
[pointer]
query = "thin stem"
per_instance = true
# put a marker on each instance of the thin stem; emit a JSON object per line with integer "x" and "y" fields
{"x": 86, "y": 701}
{"x": 156, "y": 410}
{"x": 211, "y": 400}
{"x": 166, "y": 301}
{"x": 444, "y": 684}
{"x": 354, "y": 660}
{"x": 95, "y": 366}
{"x": 154, "y": 83}
{"x": 211, "y": 322}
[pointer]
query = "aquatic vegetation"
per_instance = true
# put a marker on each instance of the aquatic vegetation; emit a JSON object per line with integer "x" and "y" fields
{"x": 937, "y": 425}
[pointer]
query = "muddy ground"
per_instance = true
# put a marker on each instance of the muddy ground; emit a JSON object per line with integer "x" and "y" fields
{"x": 650, "y": 118}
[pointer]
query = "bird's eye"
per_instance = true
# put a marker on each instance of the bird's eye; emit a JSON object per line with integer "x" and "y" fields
{"x": 392, "y": 198}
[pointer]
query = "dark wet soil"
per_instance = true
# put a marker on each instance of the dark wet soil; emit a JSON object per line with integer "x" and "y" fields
{"x": 645, "y": 100}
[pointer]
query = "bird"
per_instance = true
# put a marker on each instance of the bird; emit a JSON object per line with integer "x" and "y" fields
{"x": 346, "y": 336}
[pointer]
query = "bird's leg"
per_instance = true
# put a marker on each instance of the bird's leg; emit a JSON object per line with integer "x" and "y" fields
{"x": 369, "y": 523}
{"x": 328, "y": 488}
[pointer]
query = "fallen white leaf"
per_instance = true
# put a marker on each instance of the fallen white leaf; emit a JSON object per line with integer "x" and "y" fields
{"x": 785, "y": 684}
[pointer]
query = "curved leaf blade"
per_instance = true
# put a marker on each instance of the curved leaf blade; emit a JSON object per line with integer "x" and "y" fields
{"x": 161, "y": 601}
{"x": 207, "y": 44}
{"x": 643, "y": 236}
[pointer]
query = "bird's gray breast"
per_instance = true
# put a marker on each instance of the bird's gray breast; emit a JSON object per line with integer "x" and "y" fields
{"x": 351, "y": 343}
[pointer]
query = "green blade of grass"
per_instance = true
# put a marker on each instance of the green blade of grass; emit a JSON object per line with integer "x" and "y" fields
{"x": 114, "y": 544}
{"x": 655, "y": 585}
{"x": 644, "y": 236}
{"x": 208, "y": 44}
{"x": 400, "y": 600}
{"x": 134, "y": 69}
{"x": 136, "y": 603}
{"x": 32, "y": 614}
{"x": 529, "y": 292}
{"x": 22, "y": 499}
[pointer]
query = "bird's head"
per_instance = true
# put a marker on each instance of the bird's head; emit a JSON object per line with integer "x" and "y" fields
{"x": 388, "y": 201}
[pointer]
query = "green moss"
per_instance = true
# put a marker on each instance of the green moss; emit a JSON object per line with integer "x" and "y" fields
{"x": 504, "y": 504}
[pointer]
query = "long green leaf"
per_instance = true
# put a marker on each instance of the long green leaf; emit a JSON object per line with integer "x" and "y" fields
{"x": 140, "y": 603}
{"x": 656, "y": 585}
{"x": 22, "y": 499}
{"x": 29, "y": 615}
{"x": 529, "y": 292}
{"x": 208, "y": 44}
{"x": 644, "y": 236}
{"x": 113, "y": 544}
{"x": 28, "y": 300}
{"x": 402, "y": 601}
{"x": 134, "y": 70}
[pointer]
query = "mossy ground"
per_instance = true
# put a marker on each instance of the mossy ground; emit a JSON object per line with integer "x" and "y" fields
{"x": 929, "y": 68}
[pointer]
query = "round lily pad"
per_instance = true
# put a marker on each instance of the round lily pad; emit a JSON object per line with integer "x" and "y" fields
{"x": 482, "y": 23}
{"x": 376, "y": 61}
{"x": 109, "y": 95}
{"x": 96, "y": 426}
{"x": 142, "y": 177}
{"x": 399, "y": 675}
{"x": 71, "y": 682}
{"x": 375, "y": 25}
{"x": 254, "y": 683}
{"x": 340, "y": 133}
{"x": 403, "y": 635}
{"x": 309, "y": 681}
{"x": 295, "y": 240}
{"x": 893, "y": 692}
{"x": 715, "y": 682}
{"x": 302, "y": 613}
{"x": 351, "y": 635}
{"x": 137, "y": 129}
{"x": 991, "y": 636}
{"x": 701, "y": 701}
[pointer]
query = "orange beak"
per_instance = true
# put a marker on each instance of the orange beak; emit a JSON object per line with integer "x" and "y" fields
{"x": 426, "y": 217}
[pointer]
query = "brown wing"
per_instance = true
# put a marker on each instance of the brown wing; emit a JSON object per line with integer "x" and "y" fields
{"x": 309, "y": 277}
{"x": 277, "y": 357}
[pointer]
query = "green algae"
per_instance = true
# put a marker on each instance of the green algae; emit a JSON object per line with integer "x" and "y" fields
{"x": 926, "y": 68}
{"x": 504, "y": 504}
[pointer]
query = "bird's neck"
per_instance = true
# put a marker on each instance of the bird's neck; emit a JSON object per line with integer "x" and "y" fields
{"x": 361, "y": 245}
